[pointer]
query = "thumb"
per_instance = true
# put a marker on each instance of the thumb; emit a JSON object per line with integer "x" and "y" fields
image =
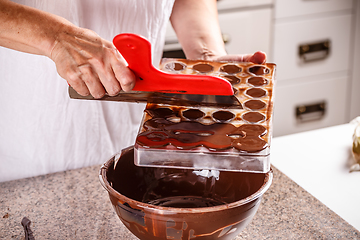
{"x": 258, "y": 57}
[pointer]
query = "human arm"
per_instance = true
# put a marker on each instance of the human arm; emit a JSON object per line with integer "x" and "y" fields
{"x": 87, "y": 62}
{"x": 197, "y": 27}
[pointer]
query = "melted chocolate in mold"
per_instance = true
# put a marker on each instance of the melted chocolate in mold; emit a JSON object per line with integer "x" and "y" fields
{"x": 254, "y": 130}
{"x": 157, "y": 136}
{"x": 223, "y": 116}
{"x": 259, "y": 70}
{"x": 175, "y": 66}
{"x": 232, "y": 79}
{"x": 257, "y": 81}
{"x": 250, "y": 144}
{"x": 255, "y": 104}
{"x": 249, "y": 139}
{"x": 160, "y": 112}
{"x": 203, "y": 68}
{"x": 193, "y": 114}
{"x": 189, "y": 135}
{"x": 253, "y": 117}
{"x": 256, "y": 92}
{"x": 230, "y": 69}
{"x": 250, "y": 130}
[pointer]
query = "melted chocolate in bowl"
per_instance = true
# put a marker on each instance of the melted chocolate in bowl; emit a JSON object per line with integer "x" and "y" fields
{"x": 166, "y": 203}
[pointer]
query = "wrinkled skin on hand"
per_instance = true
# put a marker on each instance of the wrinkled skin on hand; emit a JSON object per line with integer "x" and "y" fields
{"x": 90, "y": 64}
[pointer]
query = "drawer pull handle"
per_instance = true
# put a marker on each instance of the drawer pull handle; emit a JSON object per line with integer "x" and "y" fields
{"x": 314, "y": 51}
{"x": 311, "y": 112}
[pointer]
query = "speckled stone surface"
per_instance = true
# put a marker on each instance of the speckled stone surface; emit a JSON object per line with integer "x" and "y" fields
{"x": 73, "y": 205}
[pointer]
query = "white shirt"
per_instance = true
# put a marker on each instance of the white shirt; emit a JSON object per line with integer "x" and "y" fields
{"x": 42, "y": 129}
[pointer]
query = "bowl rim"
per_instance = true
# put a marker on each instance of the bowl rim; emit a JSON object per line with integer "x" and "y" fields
{"x": 105, "y": 183}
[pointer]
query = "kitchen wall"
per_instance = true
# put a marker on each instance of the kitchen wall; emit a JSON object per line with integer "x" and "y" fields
{"x": 315, "y": 45}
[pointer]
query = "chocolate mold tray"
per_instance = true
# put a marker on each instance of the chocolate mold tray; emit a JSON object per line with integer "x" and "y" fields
{"x": 235, "y": 138}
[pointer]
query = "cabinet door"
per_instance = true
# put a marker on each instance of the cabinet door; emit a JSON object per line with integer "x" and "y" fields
{"x": 246, "y": 31}
{"x": 327, "y": 41}
{"x": 309, "y": 105}
{"x": 291, "y": 8}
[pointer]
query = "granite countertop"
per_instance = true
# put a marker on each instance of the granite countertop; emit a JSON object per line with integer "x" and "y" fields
{"x": 73, "y": 205}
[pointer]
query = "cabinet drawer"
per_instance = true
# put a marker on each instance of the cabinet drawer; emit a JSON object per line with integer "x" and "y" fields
{"x": 291, "y": 8}
{"x": 312, "y": 35}
{"x": 307, "y": 106}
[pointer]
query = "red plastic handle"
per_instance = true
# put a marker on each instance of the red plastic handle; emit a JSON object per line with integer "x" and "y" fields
{"x": 137, "y": 52}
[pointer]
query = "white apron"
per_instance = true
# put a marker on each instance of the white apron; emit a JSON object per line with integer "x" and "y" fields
{"x": 42, "y": 130}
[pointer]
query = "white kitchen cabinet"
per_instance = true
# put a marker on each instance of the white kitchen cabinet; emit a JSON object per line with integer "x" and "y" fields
{"x": 312, "y": 47}
{"x": 246, "y": 27}
{"x": 246, "y": 31}
{"x": 306, "y": 105}
{"x": 330, "y": 37}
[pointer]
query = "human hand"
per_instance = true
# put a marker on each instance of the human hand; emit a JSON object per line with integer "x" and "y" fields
{"x": 90, "y": 64}
{"x": 257, "y": 57}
